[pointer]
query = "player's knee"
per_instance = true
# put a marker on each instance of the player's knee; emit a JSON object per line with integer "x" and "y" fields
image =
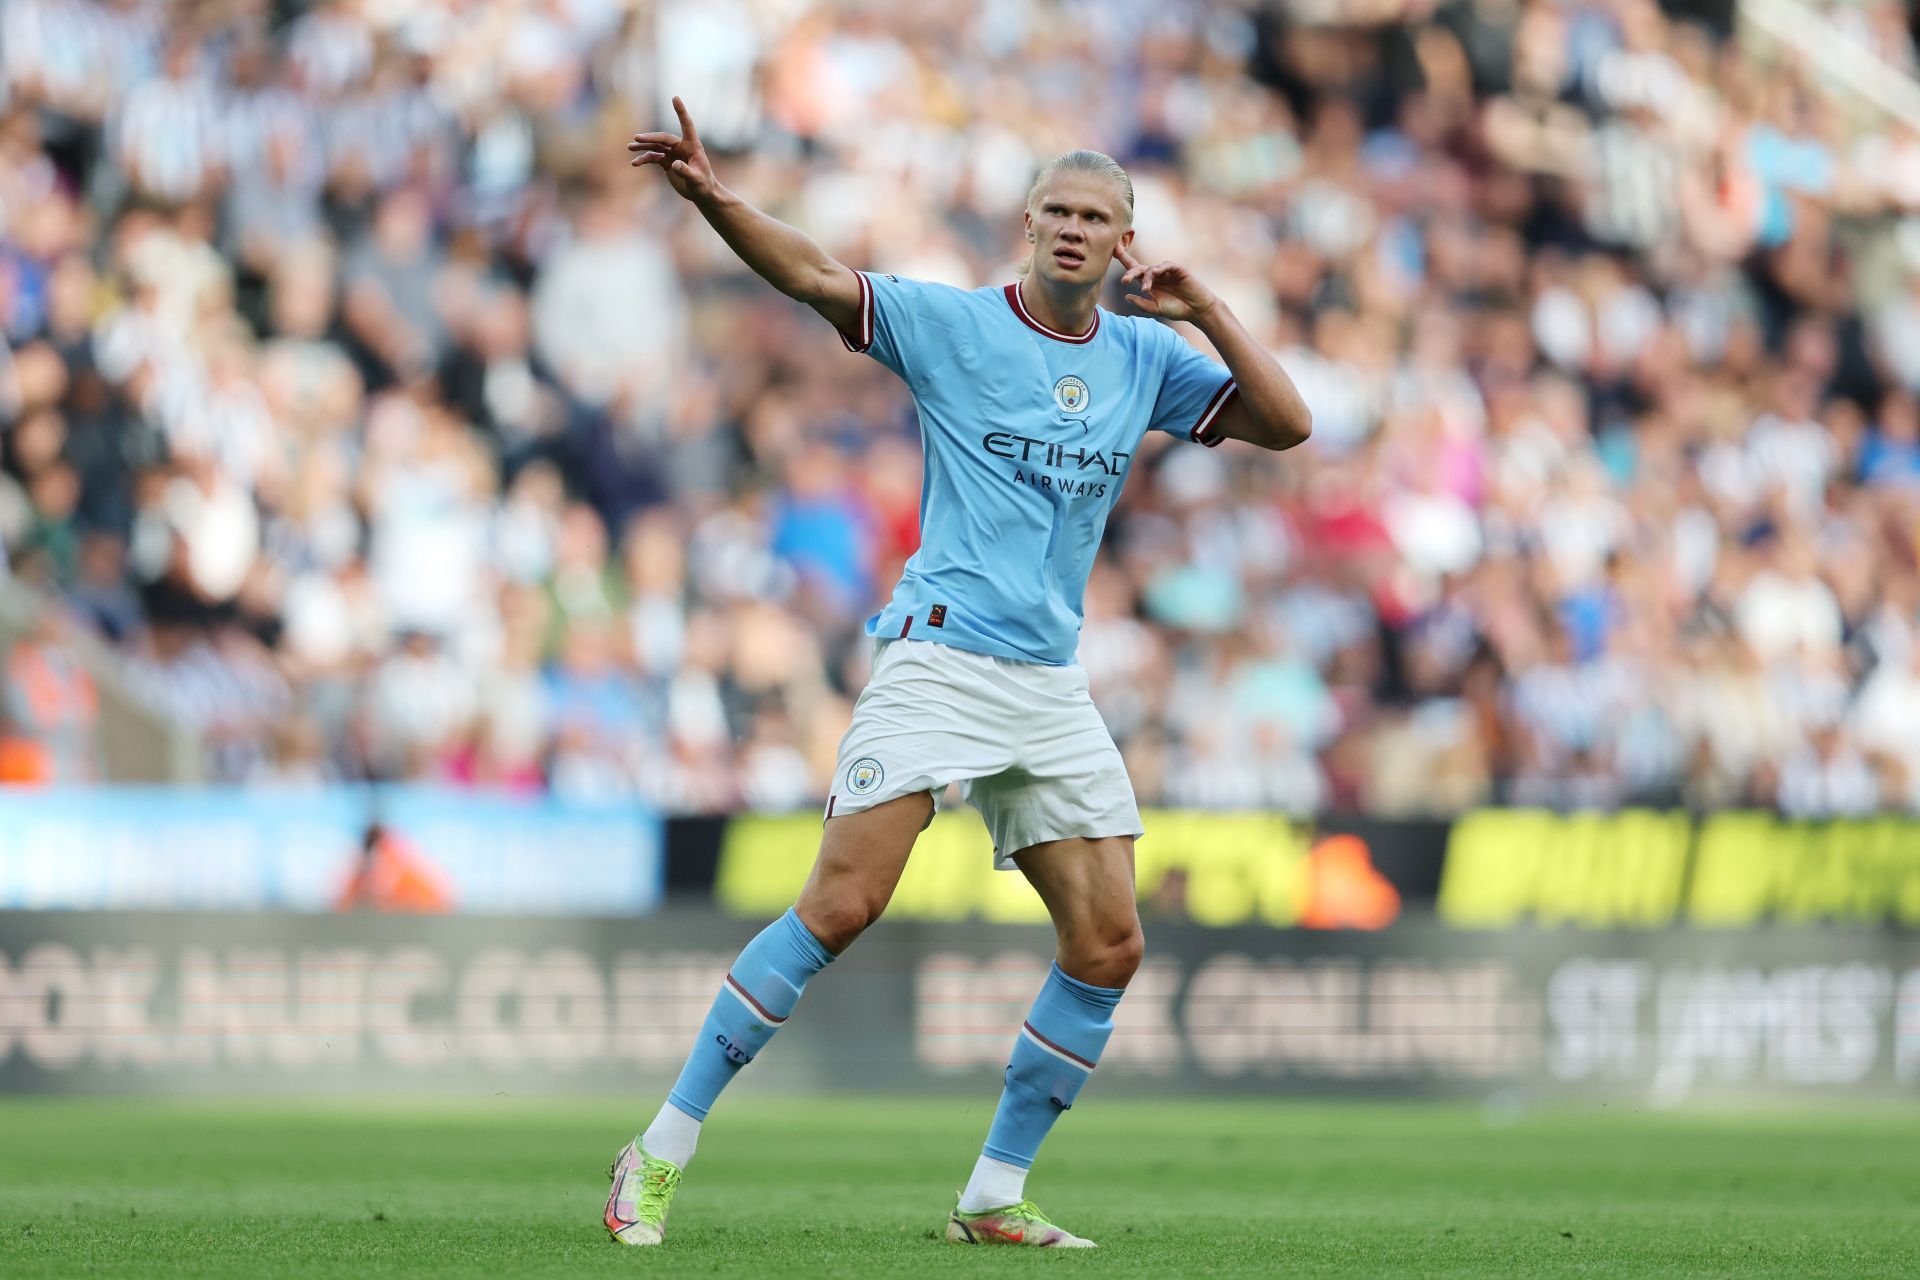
{"x": 839, "y": 917}
{"x": 1109, "y": 957}
{"x": 1124, "y": 955}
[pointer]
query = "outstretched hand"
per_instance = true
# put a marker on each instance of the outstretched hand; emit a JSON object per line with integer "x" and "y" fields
{"x": 679, "y": 154}
{"x": 1166, "y": 289}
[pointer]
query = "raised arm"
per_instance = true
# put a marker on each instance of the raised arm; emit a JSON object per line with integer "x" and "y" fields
{"x": 1268, "y": 410}
{"x": 782, "y": 256}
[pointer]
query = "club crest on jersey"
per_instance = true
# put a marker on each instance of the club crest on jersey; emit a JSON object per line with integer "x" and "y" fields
{"x": 863, "y": 775}
{"x": 1070, "y": 394}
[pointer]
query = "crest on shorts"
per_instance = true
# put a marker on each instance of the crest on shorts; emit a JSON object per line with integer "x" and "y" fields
{"x": 1070, "y": 394}
{"x": 863, "y": 775}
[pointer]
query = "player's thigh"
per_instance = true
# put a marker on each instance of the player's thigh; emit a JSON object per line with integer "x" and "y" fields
{"x": 861, "y": 858}
{"x": 1086, "y": 883}
{"x": 1070, "y": 821}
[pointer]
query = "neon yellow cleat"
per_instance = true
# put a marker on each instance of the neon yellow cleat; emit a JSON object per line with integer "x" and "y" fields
{"x": 1021, "y": 1224}
{"x": 643, "y": 1187}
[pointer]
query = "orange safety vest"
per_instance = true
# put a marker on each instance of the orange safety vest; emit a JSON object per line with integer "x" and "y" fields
{"x": 396, "y": 878}
{"x": 1345, "y": 890}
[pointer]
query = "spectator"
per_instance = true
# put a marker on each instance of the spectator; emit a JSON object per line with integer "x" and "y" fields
{"x": 51, "y": 706}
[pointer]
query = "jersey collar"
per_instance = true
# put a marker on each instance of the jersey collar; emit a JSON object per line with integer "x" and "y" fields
{"x": 1020, "y": 309}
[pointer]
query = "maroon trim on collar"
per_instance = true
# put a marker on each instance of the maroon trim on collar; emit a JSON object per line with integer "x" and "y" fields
{"x": 1012, "y": 292}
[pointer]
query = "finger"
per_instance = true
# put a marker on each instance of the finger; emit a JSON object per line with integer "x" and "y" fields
{"x": 664, "y": 139}
{"x": 686, "y": 121}
{"x": 1146, "y": 281}
{"x": 1126, "y": 259}
{"x": 649, "y": 146}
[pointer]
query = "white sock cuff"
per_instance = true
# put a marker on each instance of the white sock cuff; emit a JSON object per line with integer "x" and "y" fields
{"x": 994, "y": 1185}
{"x": 672, "y": 1136}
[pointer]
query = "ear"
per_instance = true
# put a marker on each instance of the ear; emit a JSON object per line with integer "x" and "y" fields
{"x": 1126, "y": 239}
{"x": 1026, "y": 219}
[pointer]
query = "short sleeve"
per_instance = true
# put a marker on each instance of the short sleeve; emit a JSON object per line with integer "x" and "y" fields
{"x": 907, "y": 325}
{"x": 1193, "y": 391}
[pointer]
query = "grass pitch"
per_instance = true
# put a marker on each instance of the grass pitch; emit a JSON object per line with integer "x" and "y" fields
{"x": 846, "y": 1187}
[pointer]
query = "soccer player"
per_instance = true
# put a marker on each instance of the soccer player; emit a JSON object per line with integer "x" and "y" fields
{"x": 1032, "y": 402}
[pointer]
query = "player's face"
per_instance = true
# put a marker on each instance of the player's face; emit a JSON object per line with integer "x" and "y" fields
{"x": 1075, "y": 225}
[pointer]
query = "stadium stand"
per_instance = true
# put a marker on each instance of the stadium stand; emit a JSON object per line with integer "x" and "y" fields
{"x": 356, "y": 393}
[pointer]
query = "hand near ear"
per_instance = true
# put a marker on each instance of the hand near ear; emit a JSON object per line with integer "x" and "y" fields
{"x": 1180, "y": 295}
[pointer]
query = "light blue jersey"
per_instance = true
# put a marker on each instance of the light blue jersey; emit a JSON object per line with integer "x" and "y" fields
{"x": 1029, "y": 434}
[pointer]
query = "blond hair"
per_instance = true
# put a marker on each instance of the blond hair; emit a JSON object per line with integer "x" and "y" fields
{"x": 1097, "y": 164}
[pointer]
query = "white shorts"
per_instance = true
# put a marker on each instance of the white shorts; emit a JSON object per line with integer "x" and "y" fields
{"x": 1022, "y": 739}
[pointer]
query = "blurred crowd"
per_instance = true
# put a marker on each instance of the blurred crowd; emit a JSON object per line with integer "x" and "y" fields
{"x": 389, "y": 426}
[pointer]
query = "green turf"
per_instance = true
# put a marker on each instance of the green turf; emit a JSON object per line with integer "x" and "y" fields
{"x": 843, "y": 1187}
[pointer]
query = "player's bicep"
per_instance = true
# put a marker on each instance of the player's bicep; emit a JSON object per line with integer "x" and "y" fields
{"x": 1230, "y": 422}
{"x": 841, "y": 299}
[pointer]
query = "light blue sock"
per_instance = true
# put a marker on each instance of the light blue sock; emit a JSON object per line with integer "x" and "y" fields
{"x": 1054, "y": 1054}
{"x": 754, "y": 1002}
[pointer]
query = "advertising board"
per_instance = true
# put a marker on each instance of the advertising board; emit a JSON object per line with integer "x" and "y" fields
{"x": 302, "y": 1003}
